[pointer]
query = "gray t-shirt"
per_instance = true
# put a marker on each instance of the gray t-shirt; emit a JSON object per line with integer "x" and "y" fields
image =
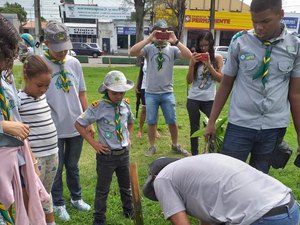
{"x": 66, "y": 107}
{"x": 217, "y": 188}
{"x": 160, "y": 81}
{"x": 251, "y": 104}
{"x": 103, "y": 114}
{"x": 203, "y": 87}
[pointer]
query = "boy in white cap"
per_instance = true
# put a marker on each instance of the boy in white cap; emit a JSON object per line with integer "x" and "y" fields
{"x": 67, "y": 99}
{"x": 114, "y": 120}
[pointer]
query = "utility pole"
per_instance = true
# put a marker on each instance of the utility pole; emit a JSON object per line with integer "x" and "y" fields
{"x": 212, "y": 17}
{"x": 38, "y": 50}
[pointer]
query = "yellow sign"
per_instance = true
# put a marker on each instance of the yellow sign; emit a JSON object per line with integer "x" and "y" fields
{"x": 223, "y": 20}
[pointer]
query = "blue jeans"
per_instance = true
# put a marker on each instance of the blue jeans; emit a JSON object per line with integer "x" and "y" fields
{"x": 239, "y": 142}
{"x": 69, "y": 150}
{"x": 107, "y": 165}
{"x": 167, "y": 103}
{"x": 289, "y": 218}
{"x": 194, "y": 107}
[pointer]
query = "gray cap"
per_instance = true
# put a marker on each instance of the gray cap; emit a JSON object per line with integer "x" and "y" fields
{"x": 115, "y": 81}
{"x": 155, "y": 167}
{"x": 56, "y": 33}
{"x": 160, "y": 24}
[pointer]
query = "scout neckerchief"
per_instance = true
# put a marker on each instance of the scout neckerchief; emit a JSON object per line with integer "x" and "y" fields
{"x": 160, "y": 56}
{"x": 5, "y": 215}
{"x": 204, "y": 75}
{"x": 264, "y": 68}
{"x": 4, "y": 104}
{"x": 117, "y": 116}
{"x": 63, "y": 76}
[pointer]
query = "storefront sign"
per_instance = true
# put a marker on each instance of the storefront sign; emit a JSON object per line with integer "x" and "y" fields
{"x": 96, "y": 12}
{"x": 82, "y": 30}
{"x": 291, "y": 22}
{"x": 130, "y": 30}
{"x": 223, "y": 20}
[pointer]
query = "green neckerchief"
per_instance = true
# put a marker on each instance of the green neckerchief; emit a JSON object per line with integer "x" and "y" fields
{"x": 205, "y": 70}
{"x": 4, "y": 104}
{"x": 5, "y": 215}
{"x": 117, "y": 116}
{"x": 264, "y": 68}
{"x": 160, "y": 56}
{"x": 63, "y": 76}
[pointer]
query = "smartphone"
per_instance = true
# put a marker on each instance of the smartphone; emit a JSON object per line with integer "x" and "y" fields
{"x": 162, "y": 35}
{"x": 203, "y": 57}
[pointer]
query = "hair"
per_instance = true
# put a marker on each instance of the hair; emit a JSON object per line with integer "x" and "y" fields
{"x": 9, "y": 39}
{"x": 35, "y": 65}
{"x": 262, "y": 5}
{"x": 205, "y": 35}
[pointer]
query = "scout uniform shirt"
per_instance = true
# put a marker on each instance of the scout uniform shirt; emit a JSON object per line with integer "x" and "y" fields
{"x": 252, "y": 105}
{"x": 103, "y": 114}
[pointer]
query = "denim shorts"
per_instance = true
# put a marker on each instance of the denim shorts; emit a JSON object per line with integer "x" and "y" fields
{"x": 167, "y": 103}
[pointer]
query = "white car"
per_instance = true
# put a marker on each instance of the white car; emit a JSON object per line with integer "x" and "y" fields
{"x": 222, "y": 50}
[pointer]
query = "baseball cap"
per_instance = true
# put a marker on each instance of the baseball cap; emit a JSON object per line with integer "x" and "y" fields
{"x": 155, "y": 167}
{"x": 56, "y": 33}
{"x": 115, "y": 81}
{"x": 9, "y": 141}
{"x": 160, "y": 24}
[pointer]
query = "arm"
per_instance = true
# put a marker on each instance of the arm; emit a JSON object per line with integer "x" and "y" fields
{"x": 216, "y": 72}
{"x": 185, "y": 52}
{"x": 294, "y": 98}
{"x": 136, "y": 49}
{"x": 84, "y": 104}
{"x": 220, "y": 100}
{"x": 98, "y": 147}
{"x": 190, "y": 74}
{"x": 180, "y": 218}
{"x": 130, "y": 129}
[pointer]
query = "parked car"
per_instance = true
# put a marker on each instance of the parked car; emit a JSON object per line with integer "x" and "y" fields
{"x": 222, "y": 50}
{"x": 94, "y": 45}
{"x": 81, "y": 48}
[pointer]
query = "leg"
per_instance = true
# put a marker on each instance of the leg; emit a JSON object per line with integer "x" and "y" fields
{"x": 267, "y": 141}
{"x": 194, "y": 116}
{"x": 122, "y": 172}
{"x": 105, "y": 170}
{"x": 72, "y": 155}
{"x": 238, "y": 141}
{"x": 57, "y": 188}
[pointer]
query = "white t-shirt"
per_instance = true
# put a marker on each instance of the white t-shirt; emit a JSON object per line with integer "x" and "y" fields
{"x": 217, "y": 188}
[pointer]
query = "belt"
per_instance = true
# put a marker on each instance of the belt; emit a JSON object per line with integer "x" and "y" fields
{"x": 118, "y": 151}
{"x": 281, "y": 209}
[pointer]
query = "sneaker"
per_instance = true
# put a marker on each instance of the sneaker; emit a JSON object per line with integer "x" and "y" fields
{"x": 179, "y": 150}
{"x": 129, "y": 215}
{"x": 151, "y": 151}
{"x": 80, "y": 205}
{"x": 61, "y": 212}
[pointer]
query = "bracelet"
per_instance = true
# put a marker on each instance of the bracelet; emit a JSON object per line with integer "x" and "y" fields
{"x": 176, "y": 42}
{"x": 36, "y": 162}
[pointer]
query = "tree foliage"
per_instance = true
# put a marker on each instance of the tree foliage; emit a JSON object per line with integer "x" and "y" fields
{"x": 15, "y": 8}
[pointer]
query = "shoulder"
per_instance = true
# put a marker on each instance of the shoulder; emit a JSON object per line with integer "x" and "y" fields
{"x": 126, "y": 101}
{"x": 240, "y": 34}
{"x": 96, "y": 104}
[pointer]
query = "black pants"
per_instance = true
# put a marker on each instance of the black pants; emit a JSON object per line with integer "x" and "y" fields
{"x": 106, "y": 166}
{"x": 194, "y": 107}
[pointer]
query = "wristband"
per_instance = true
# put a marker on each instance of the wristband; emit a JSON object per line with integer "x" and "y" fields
{"x": 176, "y": 42}
{"x": 36, "y": 162}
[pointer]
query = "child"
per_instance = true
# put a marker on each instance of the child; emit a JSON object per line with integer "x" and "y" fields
{"x": 67, "y": 99}
{"x": 36, "y": 113}
{"x": 115, "y": 125}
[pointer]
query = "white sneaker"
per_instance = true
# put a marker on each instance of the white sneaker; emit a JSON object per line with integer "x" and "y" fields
{"x": 80, "y": 205}
{"x": 61, "y": 212}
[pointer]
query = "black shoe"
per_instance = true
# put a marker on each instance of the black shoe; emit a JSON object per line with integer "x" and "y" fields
{"x": 129, "y": 215}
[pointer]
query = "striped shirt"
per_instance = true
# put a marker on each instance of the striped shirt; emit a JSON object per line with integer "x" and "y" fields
{"x": 36, "y": 114}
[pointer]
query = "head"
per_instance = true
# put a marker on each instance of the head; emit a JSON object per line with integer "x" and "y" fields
{"x": 57, "y": 39}
{"x": 160, "y": 25}
{"x": 37, "y": 75}
{"x": 205, "y": 43}
{"x": 9, "y": 41}
{"x": 266, "y": 18}
{"x": 155, "y": 167}
{"x": 115, "y": 85}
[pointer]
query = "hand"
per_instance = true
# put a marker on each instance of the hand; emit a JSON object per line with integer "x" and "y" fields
{"x": 195, "y": 58}
{"x": 16, "y": 128}
{"x": 100, "y": 148}
{"x": 210, "y": 131}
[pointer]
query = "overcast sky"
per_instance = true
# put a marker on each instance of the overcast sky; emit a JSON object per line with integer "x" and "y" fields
{"x": 50, "y": 7}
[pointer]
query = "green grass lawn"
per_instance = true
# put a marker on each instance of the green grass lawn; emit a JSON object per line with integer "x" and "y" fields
{"x": 151, "y": 211}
